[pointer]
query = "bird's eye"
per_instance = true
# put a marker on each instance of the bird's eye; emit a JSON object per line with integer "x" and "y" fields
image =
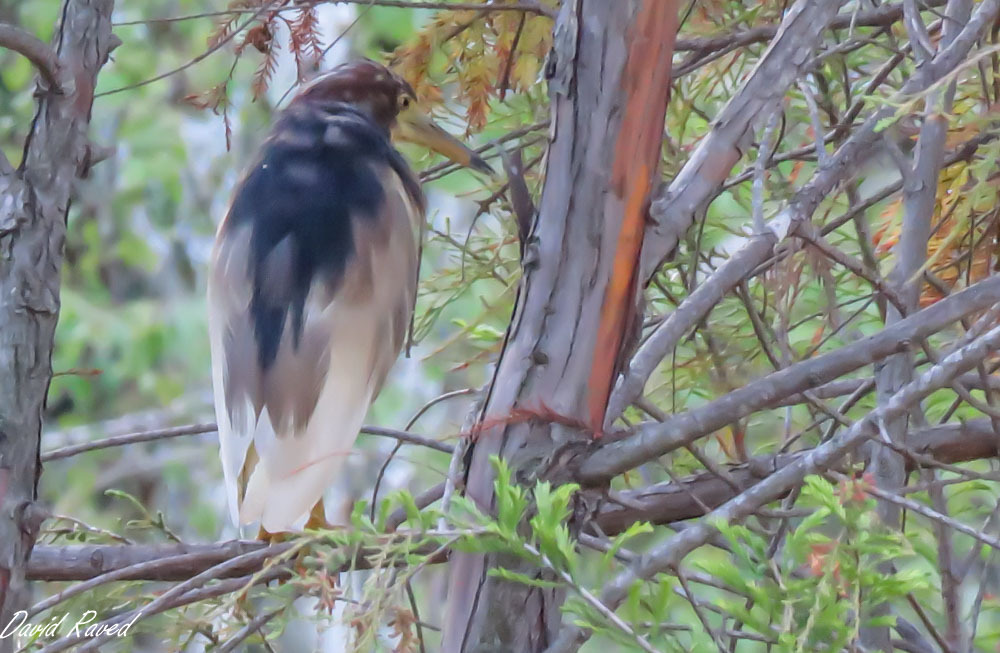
{"x": 405, "y": 102}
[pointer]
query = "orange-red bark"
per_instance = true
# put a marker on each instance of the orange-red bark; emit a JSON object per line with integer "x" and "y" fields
{"x": 637, "y": 153}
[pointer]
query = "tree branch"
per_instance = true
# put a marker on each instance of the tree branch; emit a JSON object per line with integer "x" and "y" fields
{"x": 920, "y": 189}
{"x": 660, "y": 503}
{"x": 104, "y": 563}
{"x": 668, "y": 554}
{"x": 128, "y": 438}
{"x": 526, "y": 7}
{"x": 166, "y": 562}
{"x": 34, "y": 50}
{"x": 695, "y": 186}
{"x": 702, "y": 176}
{"x": 210, "y": 427}
{"x": 881, "y": 17}
{"x": 666, "y": 503}
{"x": 648, "y": 441}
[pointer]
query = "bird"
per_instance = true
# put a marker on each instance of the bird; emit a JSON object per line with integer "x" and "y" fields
{"x": 311, "y": 286}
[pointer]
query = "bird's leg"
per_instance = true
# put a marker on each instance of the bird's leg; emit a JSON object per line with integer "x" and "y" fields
{"x": 317, "y": 518}
{"x": 317, "y": 521}
{"x": 242, "y": 605}
{"x": 271, "y": 538}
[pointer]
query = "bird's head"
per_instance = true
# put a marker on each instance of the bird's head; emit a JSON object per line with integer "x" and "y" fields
{"x": 391, "y": 103}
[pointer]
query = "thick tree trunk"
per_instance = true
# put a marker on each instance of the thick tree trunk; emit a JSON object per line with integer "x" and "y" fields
{"x": 548, "y": 364}
{"x": 34, "y": 200}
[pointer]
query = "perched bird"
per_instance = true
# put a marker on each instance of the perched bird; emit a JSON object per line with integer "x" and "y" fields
{"x": 311, "y": 287}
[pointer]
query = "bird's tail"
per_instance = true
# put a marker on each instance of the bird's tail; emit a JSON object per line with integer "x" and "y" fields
{"x": 296, "y": 469}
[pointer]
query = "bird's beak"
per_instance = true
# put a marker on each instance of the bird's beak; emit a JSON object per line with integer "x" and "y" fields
{"x": 414, "y": 126}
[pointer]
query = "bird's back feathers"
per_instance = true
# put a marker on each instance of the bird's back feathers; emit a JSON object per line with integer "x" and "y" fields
{"x": 310, "y": 294}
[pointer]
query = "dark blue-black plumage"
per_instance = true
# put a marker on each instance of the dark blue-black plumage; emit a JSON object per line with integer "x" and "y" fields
{"x": 317, "y": 172}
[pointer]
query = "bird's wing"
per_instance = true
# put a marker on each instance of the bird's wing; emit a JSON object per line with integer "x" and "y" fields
{"x": 288, "y": 418}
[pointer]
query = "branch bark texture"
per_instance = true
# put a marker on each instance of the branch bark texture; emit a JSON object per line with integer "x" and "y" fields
{"x": 34, "y": 200}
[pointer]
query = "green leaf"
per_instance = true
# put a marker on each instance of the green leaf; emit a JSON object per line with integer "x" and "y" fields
{"x": 121, "y": 494}
{"x": 523, "y": 579}
{"x": 634, "y": 530}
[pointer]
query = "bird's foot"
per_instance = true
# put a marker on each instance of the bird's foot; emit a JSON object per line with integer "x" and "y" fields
{"x": 271, "y": 538}
{"x": 317, "y": 518}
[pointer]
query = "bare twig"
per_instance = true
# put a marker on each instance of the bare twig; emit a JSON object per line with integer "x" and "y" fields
{"x": 919, "y": 38}
{"x": 248, "y": 630}
{"x": 526, "y": 7}
{"x": 817, "y": 125}
{"x": 766, "y": 150}
{"x": 929, "y": 513}
{"x": 128, "y": 438}
{"x": 204, "y": 55}
{"x": 950, "y": 595}
{"x": 210, "y": 427}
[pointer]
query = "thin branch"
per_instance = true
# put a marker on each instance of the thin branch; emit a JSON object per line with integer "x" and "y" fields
{"x": 696, "y": 607}
{"x": 919, "y": 38}
{"x": 883, "y": 16}
{"x": 817, "y": 125}
{"x": 922, "y": 509}
{"x": 765, "y": 152}
{"x": 210, "y": 427}
{"x": 204, "y": 55}
{"x": 648, "y": 441}
{"x": 128, "y": 438}
{"x": 950, "y": 595}
{"x": 248, "y": 630}
{"x": 409, "y": 438}
{"x": 80, "y": 524}
{"x": 691, "y": 311}
{"x": 413, "y": 420}
{"x": 809, "y": 233}
{"x": 527, "y": 7}
{"x": 39, "y": 53}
